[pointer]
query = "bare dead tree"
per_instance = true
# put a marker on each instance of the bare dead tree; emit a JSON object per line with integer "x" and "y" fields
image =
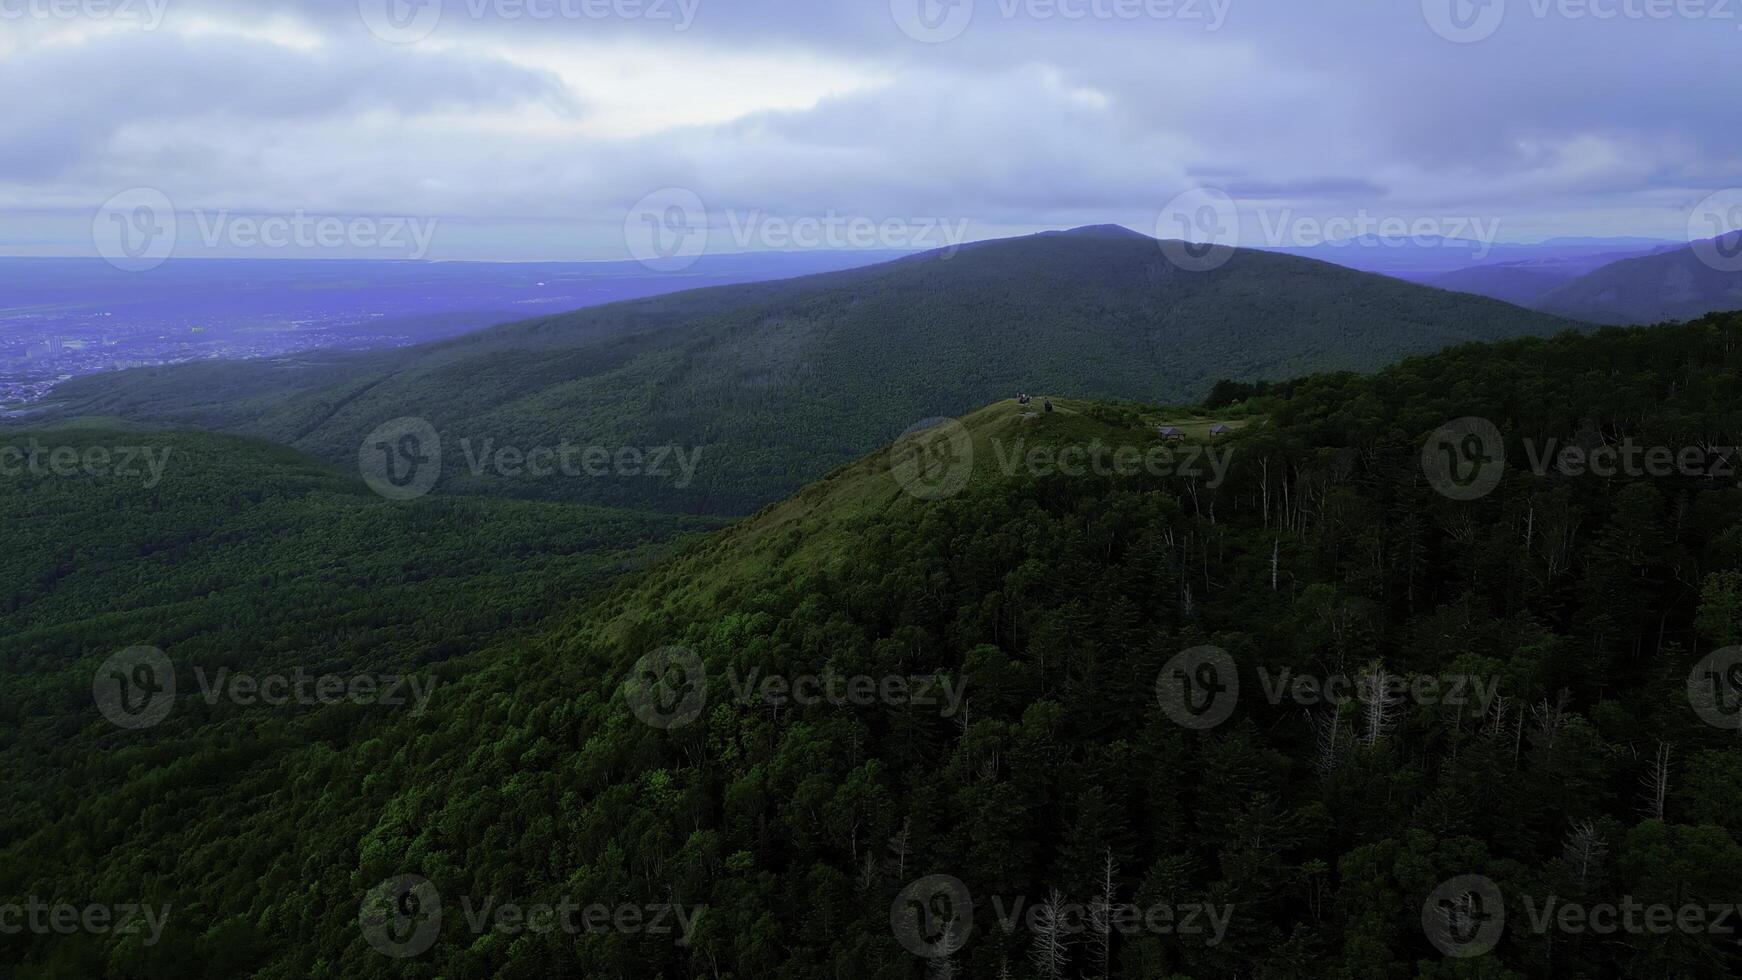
{"x": 1656, "y": 782}
{"x": 1101, "y": 918}
{"x": 1584, "y": 851}
{"x": 898, "y": 848}
{"x": 1379, "y": 703}
{"x": 1547, "y": 720}
{"x": 1047, "y": 952}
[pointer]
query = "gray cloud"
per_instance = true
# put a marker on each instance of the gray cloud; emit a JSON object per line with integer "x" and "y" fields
{"x": 1557, "y": 125}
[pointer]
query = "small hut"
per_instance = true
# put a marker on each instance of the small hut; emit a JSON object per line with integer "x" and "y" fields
{"x": 1219, "y": 429}
{"x": 1170, "y": 433}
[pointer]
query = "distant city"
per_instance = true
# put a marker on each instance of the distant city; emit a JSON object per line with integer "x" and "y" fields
{"x": 40, "y": 350}
{"x": 63, "y": 318}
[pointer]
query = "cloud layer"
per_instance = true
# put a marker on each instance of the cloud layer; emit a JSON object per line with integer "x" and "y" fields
{"x": 533, "y": 128}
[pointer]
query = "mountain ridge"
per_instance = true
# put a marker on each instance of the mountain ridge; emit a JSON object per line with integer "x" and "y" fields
{"x": 775, "y": 383}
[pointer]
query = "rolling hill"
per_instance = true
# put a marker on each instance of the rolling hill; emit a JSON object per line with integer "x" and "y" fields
{"x": 776, "y": 383}
{"x": 1020, "y": 633}
{"x": 1682, "y": 284}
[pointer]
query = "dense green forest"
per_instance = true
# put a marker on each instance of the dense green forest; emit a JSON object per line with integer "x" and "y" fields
{"x": 777, "y": 383}
{"x": 626, "y": 754}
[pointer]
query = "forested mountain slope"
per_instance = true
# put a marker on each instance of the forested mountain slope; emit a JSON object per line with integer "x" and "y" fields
{"x": 1677, "y": 285}
{"x": 776, "y": 383}
{"x": 1021, "y": 600}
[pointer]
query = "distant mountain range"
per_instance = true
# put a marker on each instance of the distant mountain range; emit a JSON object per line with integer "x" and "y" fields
{"x": 1681, "y": 284}
{"x": 776, "y": 383}
{"x": 1424, "y": 258}
{"x": 1598, "y": 280}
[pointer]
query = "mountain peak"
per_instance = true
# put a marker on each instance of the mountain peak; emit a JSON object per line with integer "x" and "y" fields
{"x": 1103, "y": 231}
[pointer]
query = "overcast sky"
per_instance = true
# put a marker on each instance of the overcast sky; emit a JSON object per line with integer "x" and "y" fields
{"x": 564, "y": 129}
